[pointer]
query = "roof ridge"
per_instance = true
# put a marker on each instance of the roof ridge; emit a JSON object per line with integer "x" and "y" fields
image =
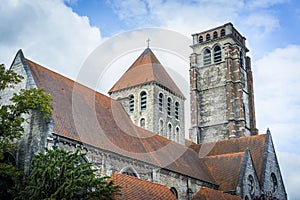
{"x": 241, "y": 153}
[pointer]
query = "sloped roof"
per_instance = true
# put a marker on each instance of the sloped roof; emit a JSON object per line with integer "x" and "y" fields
{"x": 256, "y": 145}
{"x": 85, "y": 115}
{"x": 225, "y": 169}
{"x": 210, "y": 194}
{"x": 146, "y": 69}
{"x": 135, "y": 189}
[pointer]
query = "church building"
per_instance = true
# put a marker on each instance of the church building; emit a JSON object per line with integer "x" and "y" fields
{"x": 136, "y": 135}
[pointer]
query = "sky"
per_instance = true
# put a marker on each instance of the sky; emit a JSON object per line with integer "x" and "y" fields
{"x": 62, "y": 35}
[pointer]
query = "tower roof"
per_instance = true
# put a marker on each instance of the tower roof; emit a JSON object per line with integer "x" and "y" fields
{"x": 146, "y": 69}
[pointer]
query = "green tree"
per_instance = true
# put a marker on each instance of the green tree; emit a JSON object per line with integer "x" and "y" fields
{"x": 61, "y": 174}
{"x": 11, "y": 129}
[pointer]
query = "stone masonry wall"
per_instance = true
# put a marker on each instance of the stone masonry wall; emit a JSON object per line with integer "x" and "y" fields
{"x": 35, "y": 128}
{"x": 152, "y": 114}
{"x": 273, "y": 185}
{"x": 106, "y": 163}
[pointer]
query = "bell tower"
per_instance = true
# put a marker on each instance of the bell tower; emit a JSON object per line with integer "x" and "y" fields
{"x": 151, "y": 98}
{"x": 221, "y": 86}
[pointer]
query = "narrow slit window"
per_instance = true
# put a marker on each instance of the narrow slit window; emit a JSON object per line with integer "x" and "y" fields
{"x": 169, "y": 131}
{"x": 143, "y": 122}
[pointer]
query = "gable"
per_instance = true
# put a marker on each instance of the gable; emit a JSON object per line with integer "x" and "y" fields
{"x": 255, "y": 144}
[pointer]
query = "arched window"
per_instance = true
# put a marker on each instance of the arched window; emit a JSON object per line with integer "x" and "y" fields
{"x": 176, "y": 110}
{"x": 200, "y": 39}
{"x": 131, "y": 103}
{"x": 217, "y": 54}
{"x": 207, "y": 37}
{"x": 274, "y": 182}
{"x": 207, "y": 57}
{"x": 169, "y": 131}
{"x": 143, "y": 98}
{"x": 161, "y": 127}
{"x": 177, "y": 131}
{"x": 222, "y": 33}
{"x": 142, "y": 123}
{"x": 174, "y": 191}
{"x": 160, "y": 101}
{"x": 215, "y": 35}
{"x": 169, "y": 102}
{"x": 129, "y": 171}
{"x": 241, "y": 60}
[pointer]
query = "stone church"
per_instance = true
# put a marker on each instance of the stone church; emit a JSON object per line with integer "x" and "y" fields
{"x": 137, "y": 135}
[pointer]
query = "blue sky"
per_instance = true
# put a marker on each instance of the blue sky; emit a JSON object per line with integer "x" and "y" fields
{"x": 61, "y": 34}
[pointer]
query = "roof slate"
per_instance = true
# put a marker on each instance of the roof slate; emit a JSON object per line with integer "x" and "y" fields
{"x": 135, "y": 189}
{"x": 146, "y": 69}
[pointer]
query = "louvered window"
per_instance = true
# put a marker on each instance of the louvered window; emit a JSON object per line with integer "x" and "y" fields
{"x": 200, "y": 39}
{"x": 160, "y": 101}
{"x": 131, "y": 103}
{"x": 207, "y": 57}
{"x": 217, "y": 54}
{"x": 222, "y": 33}
{"x": 215, "y": 35}
{"x": 169, "y": 106}
{"x": 242, "y": 60}
{"x": 176, "y": 110}
{"x": 143, "y": 96}
{"x": 208, "y": 37}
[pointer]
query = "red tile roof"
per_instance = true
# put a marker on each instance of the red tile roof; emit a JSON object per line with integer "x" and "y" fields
{"x": 225, "y": 169}
{"x": 210, "y": 194}
{"x": 85, "y": 115}
{"x": 136, "y": 189}
{"x": 146, "y": 69}
{"x": 256, "y": 145}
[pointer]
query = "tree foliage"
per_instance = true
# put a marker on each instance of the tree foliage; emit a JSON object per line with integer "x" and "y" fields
{"x": 60, "y": 174}
{"x": 12, "y": 115}
{"x": 11, "y": 129}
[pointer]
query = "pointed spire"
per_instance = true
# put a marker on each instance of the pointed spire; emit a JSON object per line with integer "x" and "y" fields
{"x": 144, "y": 70}
{"x": 268, "y": 131}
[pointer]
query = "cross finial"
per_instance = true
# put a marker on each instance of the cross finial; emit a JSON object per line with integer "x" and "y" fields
{"x": 148, "y": 41}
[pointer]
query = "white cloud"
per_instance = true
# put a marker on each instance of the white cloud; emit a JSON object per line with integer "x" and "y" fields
{"x": 290, "y": 163}
{"x": 48, "y": 32}
{"x": 278, "y": 107}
